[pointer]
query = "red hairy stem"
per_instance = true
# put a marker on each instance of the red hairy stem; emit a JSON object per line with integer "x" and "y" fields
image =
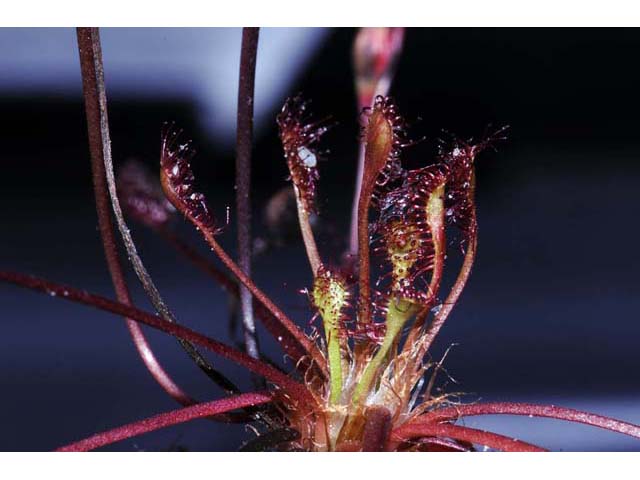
{"x": 461, "y": 190}
{"x": 244, "y": 144}
{"x": 221, "y": 278}
{"x": 307, "y": 345}
{"x": 364, "y": 264}
{"x": 451, "y": 300}
{"x": 289, "y": 344}
{"x": 438, "y": 240}
{"x": 364, "y": 260}
{"x": 88, "y": 44}
{"x": 292, "y": 388}
{"x": 378, "y": 145}
{"x": 528, "y": 409}
{"x": 168, "y": 419}
{"x": 466, "y": 434}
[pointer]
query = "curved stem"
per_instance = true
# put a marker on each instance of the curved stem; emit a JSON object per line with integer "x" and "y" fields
{"x": 528, "y": 409}
{"x": 489, "y": 439}
{"x": 166, "y": 420}
{"x": 287, "y": 341}
{"x": 244, "y": 144}
{"x": 436, "y": 223}
{"x": 297, "y": 391}
{"x": 93, "y": 77}
{"x": 98, "y": 144}
{"x": 280, "y": 316}
{"x": 451, "y": 300}
{"x": 221, "y": 278}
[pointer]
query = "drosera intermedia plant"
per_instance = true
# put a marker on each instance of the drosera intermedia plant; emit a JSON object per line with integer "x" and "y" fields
{"x": 364, "y": 382}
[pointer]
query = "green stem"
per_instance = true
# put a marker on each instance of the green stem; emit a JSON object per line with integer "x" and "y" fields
{"x": 397, "y": 316}
{"x": 335, "y": 362}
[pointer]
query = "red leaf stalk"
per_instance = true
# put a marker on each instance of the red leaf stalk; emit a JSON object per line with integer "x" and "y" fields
{"x": 488, "y": 439}
{"x": 167, "y": 419}
{"x": 88, "y": 43}
{"x": 528, "y": 409}
{"x": 295, "y": 390}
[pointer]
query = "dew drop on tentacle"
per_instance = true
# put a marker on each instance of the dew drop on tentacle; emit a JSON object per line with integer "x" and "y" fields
{"x": 299, "y": 137}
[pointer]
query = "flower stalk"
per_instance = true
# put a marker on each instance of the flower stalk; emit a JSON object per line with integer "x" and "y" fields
{"x": 244, "y": 145}
{"x": 100, "y": 149}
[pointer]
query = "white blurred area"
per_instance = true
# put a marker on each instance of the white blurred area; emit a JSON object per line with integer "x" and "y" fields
{"x": 197, "y": 65}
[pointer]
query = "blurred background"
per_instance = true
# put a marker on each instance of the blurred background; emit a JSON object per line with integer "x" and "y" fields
{"x": 550, "y": 313}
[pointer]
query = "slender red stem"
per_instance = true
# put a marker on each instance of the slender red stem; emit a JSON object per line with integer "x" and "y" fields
{"x": 528, "y": 409}
{"x": 87, "y": 38}
{"x": 93, "y": 72}
{"x": 289, "y": 344}
{"x": 221, "y": 278}
{"x": 177, "y": 182}
{"x": 440, "y": 251}
{"x": 364, "y": 266}
{"x": 199, "y": 260}
{"x": 441, "y": 317}
{"x": 167, "y": 419}
{"x": 304, "y": 342}
{"x": 456, "y": 432}
{"x": 244, "y": 144}
{"x": 297, "y": 391}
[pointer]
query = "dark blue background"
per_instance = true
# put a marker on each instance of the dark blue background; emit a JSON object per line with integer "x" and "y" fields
{"x": 550, "y": 313}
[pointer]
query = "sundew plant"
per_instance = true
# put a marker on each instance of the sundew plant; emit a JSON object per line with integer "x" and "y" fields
{"x": 365, "y": 380}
